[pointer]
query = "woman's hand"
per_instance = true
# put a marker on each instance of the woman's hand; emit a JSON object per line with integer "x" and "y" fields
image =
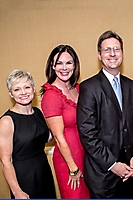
{"x": 74, "y": 180}
{"x": 56, "y": 126}
{"x": 21, "y": 195}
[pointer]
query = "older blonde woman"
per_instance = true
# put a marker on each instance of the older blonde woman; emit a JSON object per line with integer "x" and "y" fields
{"x": 23, "y": 134}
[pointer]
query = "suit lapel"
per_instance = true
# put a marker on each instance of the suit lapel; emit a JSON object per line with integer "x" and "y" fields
{"x": 107, "y": 88}
{"x": 125, "y": 95}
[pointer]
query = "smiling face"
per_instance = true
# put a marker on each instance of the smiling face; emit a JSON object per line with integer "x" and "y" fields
{"x": 22, "y": 92}
{"x": 64, "y": 66}
{"x": 111, "y": 55}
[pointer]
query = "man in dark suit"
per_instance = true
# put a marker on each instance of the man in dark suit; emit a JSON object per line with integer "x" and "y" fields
{"x": 105, "y": 126}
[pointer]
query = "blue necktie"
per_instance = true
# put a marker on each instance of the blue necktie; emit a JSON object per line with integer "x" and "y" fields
{"x": 117, "y": 90}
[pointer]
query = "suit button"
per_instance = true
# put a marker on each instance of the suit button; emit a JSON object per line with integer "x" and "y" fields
{"x": 125, "y": 129}
{"x": 125, "y": 149}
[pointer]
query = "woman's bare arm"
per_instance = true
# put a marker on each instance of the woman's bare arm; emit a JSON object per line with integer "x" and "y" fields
{"x": 56, "y": 125}
{"x": 6, "y": 148}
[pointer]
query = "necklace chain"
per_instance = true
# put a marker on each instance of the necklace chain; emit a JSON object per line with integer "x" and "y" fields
{"x": 18, "y": 111}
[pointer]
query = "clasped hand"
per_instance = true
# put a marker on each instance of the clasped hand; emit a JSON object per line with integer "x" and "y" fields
{"x": 74, "y": 181}
{"x": 122, "y": 170}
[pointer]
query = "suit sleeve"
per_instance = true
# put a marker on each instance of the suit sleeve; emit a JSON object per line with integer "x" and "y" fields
{"x": 90, "y": 128}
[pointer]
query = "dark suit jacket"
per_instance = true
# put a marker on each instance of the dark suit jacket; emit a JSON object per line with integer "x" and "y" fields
{"x": 104, "y": 130}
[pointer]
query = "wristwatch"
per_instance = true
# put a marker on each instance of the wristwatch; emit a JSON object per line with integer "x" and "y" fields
{"x": 74, "y": 173}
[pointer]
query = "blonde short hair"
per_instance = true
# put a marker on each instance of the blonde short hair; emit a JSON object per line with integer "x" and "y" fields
{"x": 16, "y": 75}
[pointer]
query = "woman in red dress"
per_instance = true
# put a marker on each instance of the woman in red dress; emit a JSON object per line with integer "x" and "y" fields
{"x": 59, "y": 102}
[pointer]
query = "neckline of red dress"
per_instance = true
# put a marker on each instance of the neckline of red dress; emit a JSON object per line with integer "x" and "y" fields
{"x": 48, "y": 86}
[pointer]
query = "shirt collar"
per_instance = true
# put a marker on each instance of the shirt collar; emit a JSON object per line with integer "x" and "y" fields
{"x": 110, "y": 76}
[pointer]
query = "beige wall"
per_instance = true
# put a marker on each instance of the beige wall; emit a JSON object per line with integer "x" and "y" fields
{"x": 29, "y": 29}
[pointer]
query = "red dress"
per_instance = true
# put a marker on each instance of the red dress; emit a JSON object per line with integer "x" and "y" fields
{"x": 55, "y": 103}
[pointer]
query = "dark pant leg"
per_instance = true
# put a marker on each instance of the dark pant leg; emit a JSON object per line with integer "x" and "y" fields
{"x": 124, "y": 189}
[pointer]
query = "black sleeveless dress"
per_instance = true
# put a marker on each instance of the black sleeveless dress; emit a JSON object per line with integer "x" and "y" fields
{"x": 29, "y": 160}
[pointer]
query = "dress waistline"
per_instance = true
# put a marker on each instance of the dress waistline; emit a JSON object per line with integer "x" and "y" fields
{"x": 18, "y": 158}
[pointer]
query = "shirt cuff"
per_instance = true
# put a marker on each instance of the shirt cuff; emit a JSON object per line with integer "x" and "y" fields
{"x": 111, "y": 166}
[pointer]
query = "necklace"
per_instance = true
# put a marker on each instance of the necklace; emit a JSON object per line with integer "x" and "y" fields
{"x": 21, "y": 112}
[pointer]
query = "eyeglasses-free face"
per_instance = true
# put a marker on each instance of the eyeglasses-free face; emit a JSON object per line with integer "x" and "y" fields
{"x": 111, "y": 55}
{"x": 22, "y": 92}
{"x": 64, "y": 67}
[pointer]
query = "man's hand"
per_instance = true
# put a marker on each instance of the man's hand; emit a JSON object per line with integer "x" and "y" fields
{"x": 131, "y": 171}
{"x": 131, "y": 162}
{"x": 122, "y": 170}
